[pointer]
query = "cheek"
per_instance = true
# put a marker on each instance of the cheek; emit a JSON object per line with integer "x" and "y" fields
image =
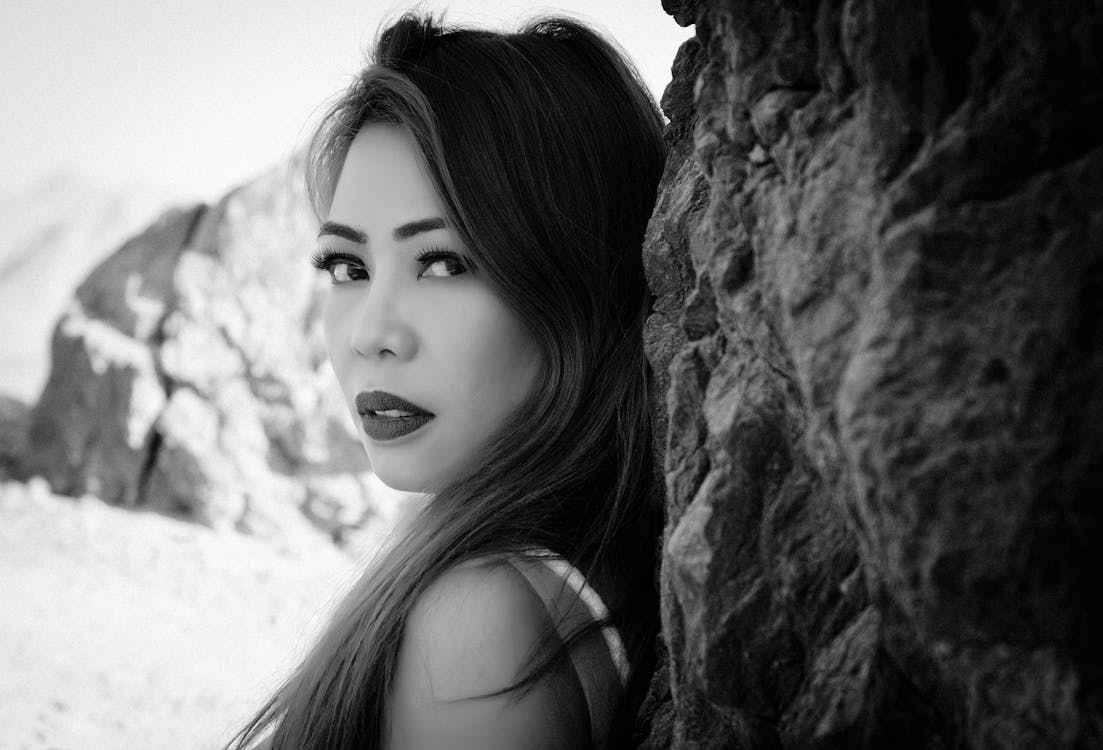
{"x": 496, "y": 360}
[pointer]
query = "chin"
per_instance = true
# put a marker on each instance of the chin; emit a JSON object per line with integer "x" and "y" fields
{"x": 423, "y": 467}
{"x": 398, "y": 475}
{"x": 398, "y": 481}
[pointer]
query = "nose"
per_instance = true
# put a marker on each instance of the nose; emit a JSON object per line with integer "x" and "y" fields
{"x": 380, "y": 329}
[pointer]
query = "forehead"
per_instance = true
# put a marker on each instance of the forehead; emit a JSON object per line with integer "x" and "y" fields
{"x": 382, "y": 181}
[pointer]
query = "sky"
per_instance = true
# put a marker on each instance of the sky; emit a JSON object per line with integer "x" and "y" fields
{"x": 197, "y": 97}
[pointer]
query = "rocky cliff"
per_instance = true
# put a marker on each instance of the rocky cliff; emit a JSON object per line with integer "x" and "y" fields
{"x": 878, "y": 266}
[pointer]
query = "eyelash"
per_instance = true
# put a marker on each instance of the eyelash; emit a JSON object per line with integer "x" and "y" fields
{"x": 431, "y": 255}
{"x": 325, "y": 260}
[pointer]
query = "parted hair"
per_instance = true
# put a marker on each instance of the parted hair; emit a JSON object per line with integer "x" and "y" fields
{"x": 546, "y": 151}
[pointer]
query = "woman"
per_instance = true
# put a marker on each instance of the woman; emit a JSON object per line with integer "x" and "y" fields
{"x": 484, "y": 198}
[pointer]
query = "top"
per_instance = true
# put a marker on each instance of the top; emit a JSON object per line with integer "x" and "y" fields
{"x": 601, "y": 665}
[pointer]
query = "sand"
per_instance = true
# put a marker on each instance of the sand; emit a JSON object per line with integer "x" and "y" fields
{"x": 127, "y": 629}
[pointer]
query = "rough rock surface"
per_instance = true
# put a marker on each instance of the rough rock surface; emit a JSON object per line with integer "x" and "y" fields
{"x": 878, "y": 266}
{"x": 188, "y": 376}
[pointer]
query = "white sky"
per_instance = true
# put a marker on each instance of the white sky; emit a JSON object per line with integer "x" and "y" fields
{"x": 199, "y": 96}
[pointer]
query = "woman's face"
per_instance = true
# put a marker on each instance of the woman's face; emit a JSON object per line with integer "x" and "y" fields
{"x": 408, "y": 317}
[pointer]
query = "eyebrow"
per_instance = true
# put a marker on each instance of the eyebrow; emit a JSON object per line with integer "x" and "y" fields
{"x": 344, "y": 231}
{"x": 403, "y": 232}
{"x": 407, "y": 231}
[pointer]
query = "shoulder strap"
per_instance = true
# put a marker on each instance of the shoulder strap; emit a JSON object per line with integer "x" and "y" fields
{"x": 574, "y": 579}
{"x": 601, "y": 665}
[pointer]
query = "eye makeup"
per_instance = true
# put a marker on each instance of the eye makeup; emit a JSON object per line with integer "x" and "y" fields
{"x": 324, "y": 257}
{"x": 342, "y": 267}
{"x": 332, "y": 261}
{"x": 454, "y": 263}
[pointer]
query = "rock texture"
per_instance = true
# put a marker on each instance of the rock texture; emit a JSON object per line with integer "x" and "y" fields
{"x": 55, "y": 231}
{"x": 188, "y": 376}
{"x": 878, "y": 266}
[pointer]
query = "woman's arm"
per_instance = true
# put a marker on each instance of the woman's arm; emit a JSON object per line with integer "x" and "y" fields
{"x": 472, "y": 633}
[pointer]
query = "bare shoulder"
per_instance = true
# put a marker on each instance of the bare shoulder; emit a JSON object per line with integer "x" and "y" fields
{"x": 473, "y": 628}
{"x": 469, "y": 635}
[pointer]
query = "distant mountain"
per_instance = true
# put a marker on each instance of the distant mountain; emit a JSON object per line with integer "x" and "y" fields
{"x": 51, "y": 235}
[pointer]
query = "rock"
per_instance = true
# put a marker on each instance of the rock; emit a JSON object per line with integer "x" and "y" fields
{"x": 682, "y": 196}
{"x": 189, "y": 376}
{"x": 884, "y": 337}
{"x": 683, "y": 11}
{"x": 56, "y": 231}
{"x": 14, "y": 418}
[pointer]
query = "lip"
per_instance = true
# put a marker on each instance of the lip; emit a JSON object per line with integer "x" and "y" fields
{"x": 384, "y": 428}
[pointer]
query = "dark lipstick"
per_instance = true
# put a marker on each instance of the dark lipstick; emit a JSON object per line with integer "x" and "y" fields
{"x": 376, "y": 410}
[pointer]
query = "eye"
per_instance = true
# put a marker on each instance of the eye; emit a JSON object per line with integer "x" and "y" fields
{"x": 341, "y": 267}
{"x": 439, "y": 262}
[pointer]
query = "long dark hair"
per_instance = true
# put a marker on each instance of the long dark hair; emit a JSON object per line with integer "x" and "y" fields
{"x": 546, "y": 151}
